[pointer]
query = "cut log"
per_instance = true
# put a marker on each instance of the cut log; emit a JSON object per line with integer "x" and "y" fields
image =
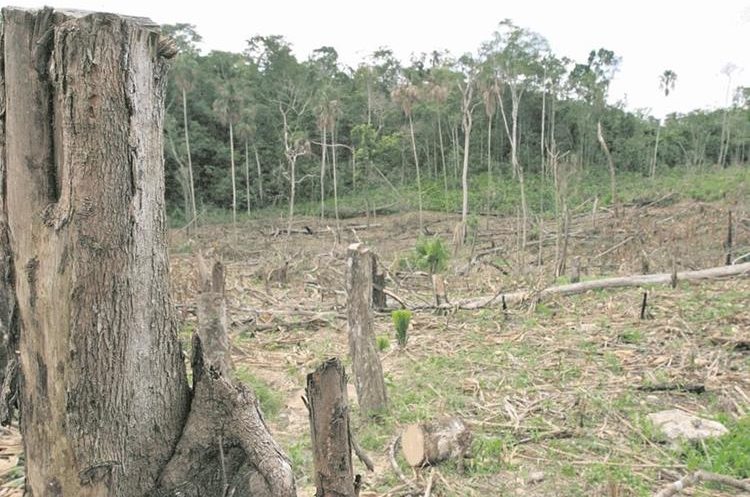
{"x": 329, "y": 427}
{"x": 368, "y": 372}
{"x": 431, "y": 443}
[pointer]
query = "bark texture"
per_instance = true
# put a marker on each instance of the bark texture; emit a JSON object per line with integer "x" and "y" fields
{"x": 329, "y": 426}
{"x": 212, "y": 315}
{"x": 226, "y": 448}
{"x": 368, "y": 372}
{"x": 378, "y": 284}
{"x": 104, "y": 397}
{"x": 432, "y": 443}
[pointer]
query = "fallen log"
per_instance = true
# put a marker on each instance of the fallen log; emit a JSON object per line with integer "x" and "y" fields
{"x": 617, "y": 282}
{"x": 430, "y": 443}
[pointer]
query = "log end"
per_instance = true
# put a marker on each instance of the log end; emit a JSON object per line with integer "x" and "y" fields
{"x": 412, "y": 445}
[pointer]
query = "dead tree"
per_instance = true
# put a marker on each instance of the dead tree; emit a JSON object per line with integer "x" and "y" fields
{"x": 329, "y": 426}
{"x": 212, "y": 315}
{"x": 107, "y": 409}
{"x": 378, "y": 284}
{"x": 368, "y": 372}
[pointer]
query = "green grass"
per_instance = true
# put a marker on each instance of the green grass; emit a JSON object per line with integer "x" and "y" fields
{"x": 727, "y": 455}
{"x": 270, "y": 400}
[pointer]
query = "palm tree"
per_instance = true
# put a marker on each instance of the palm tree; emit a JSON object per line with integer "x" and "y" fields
{"x": 667, "y": 81}
{"x": 407, "y": 96}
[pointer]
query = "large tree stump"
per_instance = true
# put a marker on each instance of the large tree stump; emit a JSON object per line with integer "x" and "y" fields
{"x": 378, "y": 285}
{"x": 431, "y": 443}
{"x": 368, "y": 372}
{"x": 212, "y": 315}
{"x": 329, "y": 427}
{"x": 104, "y": 394}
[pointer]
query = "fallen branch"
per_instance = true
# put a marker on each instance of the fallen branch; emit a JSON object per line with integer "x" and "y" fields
{"x": 700, "y": 476}
{"x": 618, "y": 282}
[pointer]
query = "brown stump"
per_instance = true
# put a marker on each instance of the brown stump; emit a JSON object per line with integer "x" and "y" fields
{"x": 368, "y": 372}
{"x": 431, "y": 443}
{"x": 212, "y": 315}
{"x": 378, "y": 285}
{"x": 329, "y": 426}
{"x": 438, "y": 286}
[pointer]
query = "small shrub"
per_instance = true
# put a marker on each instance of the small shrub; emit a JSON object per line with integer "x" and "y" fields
{"x": 431, "y": 255}
{"x": 383, "y": 342}
{"x": 401, "y": 319}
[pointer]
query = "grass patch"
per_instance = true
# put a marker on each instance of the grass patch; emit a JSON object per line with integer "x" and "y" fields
{"x": 727, "y": 455}
{"x": 270, "y": 400}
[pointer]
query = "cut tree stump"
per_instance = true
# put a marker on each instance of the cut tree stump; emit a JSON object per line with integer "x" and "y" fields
{"x": 438, "y": 287}
{"x": 329, "y": 427}
{"x": 426, "y": 444}
{"x": 212, "y": 315}
{"x": 368, "y": 372}
{"x": 378, "y": 285}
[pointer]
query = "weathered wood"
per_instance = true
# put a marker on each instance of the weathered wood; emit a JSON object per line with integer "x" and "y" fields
{"x": 617, "y": 282}
{"x": 368, "y": 372}
{"x": 105, "y": 396}
{"x": 329, "y": 427}
{"x": 438, "y": 287}
{"x": 431, "y": 443}
{"x": 212, "y": 315}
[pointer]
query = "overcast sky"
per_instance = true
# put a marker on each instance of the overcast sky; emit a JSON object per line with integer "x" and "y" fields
{"x": 695, "y": 38}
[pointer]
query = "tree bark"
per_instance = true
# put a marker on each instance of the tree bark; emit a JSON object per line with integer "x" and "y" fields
{"x": 611, "y": 165}
{"x": 368, "y": 372}
{"x": 329, "y": 426}
{"x": 378, "y": 285}
{"x": 104, "y": 394}
{"x": 432, "y": 443}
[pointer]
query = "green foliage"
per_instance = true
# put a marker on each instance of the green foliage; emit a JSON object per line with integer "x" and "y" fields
{"x": 383, "y": 342}
{"x": 431, "y": 255}
{"x": 727, "y": 455}
{"x": 401, "y": 319}
{"x": 270, "y": 399}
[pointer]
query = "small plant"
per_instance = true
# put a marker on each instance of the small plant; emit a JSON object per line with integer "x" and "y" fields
{"x": 401, "y": 319}
{"x": 383, "y": 343}
{"x": 431, "y": 255}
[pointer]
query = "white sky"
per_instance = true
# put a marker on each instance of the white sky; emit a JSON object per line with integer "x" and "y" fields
{"x": 695, "y": 38}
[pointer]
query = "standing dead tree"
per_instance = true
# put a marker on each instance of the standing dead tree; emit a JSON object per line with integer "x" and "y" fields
{"x": 107, "y": 408}
{"x": 212, "y": 315}
{"x": 329, "y": 426}
{"x": 368, "y": 372}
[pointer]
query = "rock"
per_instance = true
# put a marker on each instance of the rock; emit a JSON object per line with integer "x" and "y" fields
{"x": 535, "y": 477}
{"x": 677, "y": 426}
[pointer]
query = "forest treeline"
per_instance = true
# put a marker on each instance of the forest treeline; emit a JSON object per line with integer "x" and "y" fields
{"x": 262, "y": 128}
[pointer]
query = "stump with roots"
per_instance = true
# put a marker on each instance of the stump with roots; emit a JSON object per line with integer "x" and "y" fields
{"x": 426, "y": 444}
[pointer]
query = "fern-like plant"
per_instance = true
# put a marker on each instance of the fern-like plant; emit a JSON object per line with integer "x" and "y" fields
{"x": 401, "y": 319}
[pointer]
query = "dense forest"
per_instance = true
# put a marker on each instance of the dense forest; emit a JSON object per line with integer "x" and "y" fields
{"x": 260, "y": 128}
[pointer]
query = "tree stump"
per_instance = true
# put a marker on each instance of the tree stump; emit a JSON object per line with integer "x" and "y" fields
{"x": 378, "y": 285}
{"x": 368, "y": 372}
{"x": 105, "y": 397}
{"x": 329, "y": 426}
{"x": 438, "y": 287}
{"x": 212, "y": 315}
{"x": 431, "y": 443}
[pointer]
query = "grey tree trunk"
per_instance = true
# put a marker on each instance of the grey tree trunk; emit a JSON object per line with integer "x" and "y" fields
{"x": 368, "y": 372}
{"x": 212, "y": 315}
{"x": 329, "y": 426}
{"x": 104, "y": 393}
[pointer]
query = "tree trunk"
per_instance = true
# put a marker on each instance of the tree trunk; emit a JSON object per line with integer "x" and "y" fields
{"x": 416, "y": 163}
{"x": 442, "y": 156}
{"x": 335, "y": 181}
{"x": 105, "y": 395}
{"x": 247, "y": 178}
{"x": 611, "y": 164}
{"x": 212, "y": 315}
{"x": 378, "y": 285}
{"x": 329, "y": 426}
{"x": 368, "y": 372}
{"x": 431, "y": 443}
{"x": 656, "y": 151}
{"x": 260, "y": 176}
{"x": 323, "y": 173}
{"x": 194, "y": 218}
{"x": 234, "y": 181}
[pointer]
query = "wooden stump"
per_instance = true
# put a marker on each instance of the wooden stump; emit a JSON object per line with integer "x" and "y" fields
{"x": 212, "y": 315}
{"x": 368, "y": 372}
{"x": 329, "y": 426}
{"x": 378, "y": 285}
{"x": 438, "y": 286}
{"x": 431, "y": 443}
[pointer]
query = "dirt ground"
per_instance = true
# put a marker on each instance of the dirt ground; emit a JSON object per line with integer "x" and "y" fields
{"x": 556, "y": 393}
